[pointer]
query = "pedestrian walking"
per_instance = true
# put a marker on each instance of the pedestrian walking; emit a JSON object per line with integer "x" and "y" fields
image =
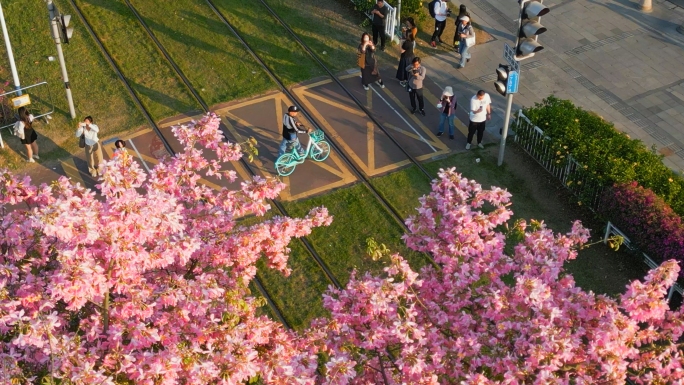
{"x": 379, "y": 13}
{"x": 87, "y": 130}
{"x": 368, "y": 63}
{"x": 441, "y": 11}
{"x": 466, "y": 34}
{"x": 462, "y": 11}
{"x": 23, "y": 128}
{"x": 480, "y": 113}
{"x": 447, "y": 105}
{"x": 406, "y": 58}
{"x": 291, "y": 127}
{"x": 415, "y": 84}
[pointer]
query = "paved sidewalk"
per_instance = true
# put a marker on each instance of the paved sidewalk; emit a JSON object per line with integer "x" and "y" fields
{"x": 604, "y": 55}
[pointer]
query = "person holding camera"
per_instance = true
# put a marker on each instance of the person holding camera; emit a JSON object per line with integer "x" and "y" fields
{"x": 415, "y": 84}
{"x": 291, "y": 127}
{"x": 93, "y": 149}
{"x": 368, "y": 63}
{"x": 379, "y": 13}
{"x": 447, "y": 105}
{"x": 480, "y": 113}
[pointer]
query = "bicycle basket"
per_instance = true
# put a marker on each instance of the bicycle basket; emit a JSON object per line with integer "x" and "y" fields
{"x": 318, "y": 135}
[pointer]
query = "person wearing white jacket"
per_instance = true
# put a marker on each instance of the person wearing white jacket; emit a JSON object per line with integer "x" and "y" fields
{"x": 93, "y": 149}
{"x": 23, "y": 128}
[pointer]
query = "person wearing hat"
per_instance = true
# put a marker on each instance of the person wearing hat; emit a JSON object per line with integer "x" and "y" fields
{"x": 291, "y": 127}
{"x": 447, "y": 105}
{"x": 464, "y": 31}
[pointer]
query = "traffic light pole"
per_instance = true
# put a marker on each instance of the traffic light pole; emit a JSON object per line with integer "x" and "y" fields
{"x": 504, "y": 131}
{"x": 60, "y": 55}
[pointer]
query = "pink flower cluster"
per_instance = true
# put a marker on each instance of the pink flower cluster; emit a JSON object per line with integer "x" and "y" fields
{"x": 646, "y": 219}
{"x": 149, "y": 284}
{"x": 482, "y": 315}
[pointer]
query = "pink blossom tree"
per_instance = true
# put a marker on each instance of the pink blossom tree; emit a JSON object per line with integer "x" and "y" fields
{"x": 496, "y": 308}
{"x": 147, "y": 285}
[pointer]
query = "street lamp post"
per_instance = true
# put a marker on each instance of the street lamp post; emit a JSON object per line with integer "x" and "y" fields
{"x": 55, "y": 27}
{"x": 10, "y": 55}
{"x": 646, "y": 6}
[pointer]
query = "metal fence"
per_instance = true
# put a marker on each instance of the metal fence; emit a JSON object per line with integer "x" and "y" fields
{"x": 390, "y": 19}
{"x": 611, "y": 230}
{"x": 573, "y": 175}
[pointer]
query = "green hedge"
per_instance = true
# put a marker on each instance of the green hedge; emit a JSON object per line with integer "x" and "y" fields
{"x": 609, "y": 156}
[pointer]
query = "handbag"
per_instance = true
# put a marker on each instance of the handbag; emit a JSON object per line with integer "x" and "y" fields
{"x": 81, "y": 141}
{"x": 470, "y": 41}
{"x": 361, "y": 60}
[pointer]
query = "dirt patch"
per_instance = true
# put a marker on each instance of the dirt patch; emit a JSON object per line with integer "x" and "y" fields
{"x": 597, "y": 267}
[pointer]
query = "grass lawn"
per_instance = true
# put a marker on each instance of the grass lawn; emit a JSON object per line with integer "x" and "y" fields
{"x": 356, "y": 217}
{"x": 271, "y": 41}
{"x": 535, "y": 195}
{"x": 160, "y": 90}
{"x": 96, "y": 89}
{"x": 299, "y": 296}
{"x": 213, "y": 59}
{"x": 325, "y": 26}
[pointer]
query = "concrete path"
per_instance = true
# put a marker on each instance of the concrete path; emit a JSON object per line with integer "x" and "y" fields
{"x": 604, "y": 55}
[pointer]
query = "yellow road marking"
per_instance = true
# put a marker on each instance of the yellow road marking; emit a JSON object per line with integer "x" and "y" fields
{"x": 433, "y": 139}
{"x": 370, "y": 138}
{"x": 310, "y": 95}
{"x": 249, "y": 102}
{"x": 335, "y": 135}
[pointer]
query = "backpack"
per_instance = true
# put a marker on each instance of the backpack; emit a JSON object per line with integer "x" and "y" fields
{"x": 431, "y": 8}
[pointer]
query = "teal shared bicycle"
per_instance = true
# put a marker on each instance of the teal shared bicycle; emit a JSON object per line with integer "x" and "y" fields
{"x": 317, "y": 148}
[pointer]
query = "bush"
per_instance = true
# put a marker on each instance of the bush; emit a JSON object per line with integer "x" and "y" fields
{"x": 646, "y": 219}
{"x": 609, "y": 156}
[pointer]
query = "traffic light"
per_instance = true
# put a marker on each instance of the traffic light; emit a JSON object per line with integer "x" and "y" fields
{"x": 65, "y": 31}
{"x": 529, "y": 27}
{"x": 502, "y": 79}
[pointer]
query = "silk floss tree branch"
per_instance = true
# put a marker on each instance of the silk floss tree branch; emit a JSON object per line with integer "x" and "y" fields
{"x": 149, "y": 284}
{"x": 488, "y": 316}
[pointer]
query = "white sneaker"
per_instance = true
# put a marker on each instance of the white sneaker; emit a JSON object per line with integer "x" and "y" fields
{"x": 468, "y": 146}
{"x": 31, "y": 160}
{"x": 36, "y": 157}
{"x": 366, "y": 88}
{"x": 480, "y": 145}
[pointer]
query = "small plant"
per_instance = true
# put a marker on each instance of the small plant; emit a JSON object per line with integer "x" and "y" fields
{"x": 648, "y": 221}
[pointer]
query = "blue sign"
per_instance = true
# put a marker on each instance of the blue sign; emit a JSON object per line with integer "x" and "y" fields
{"x": 512, "y": 84}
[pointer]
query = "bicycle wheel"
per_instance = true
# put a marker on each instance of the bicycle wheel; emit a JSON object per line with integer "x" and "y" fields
{"x": 321, "y": 152}
{"x": 285, "y": 164}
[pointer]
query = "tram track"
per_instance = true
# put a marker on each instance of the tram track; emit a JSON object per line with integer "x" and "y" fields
{"x": 364, "y": 179}
{"x": 274, "y": 308}
{"x": 345, "y": 157}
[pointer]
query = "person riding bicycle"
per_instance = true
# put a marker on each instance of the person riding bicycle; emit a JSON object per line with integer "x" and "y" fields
{"x": 291, "y": 127}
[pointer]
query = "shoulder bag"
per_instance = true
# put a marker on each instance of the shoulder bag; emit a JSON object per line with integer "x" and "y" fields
{"x": 81, "y": 141}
